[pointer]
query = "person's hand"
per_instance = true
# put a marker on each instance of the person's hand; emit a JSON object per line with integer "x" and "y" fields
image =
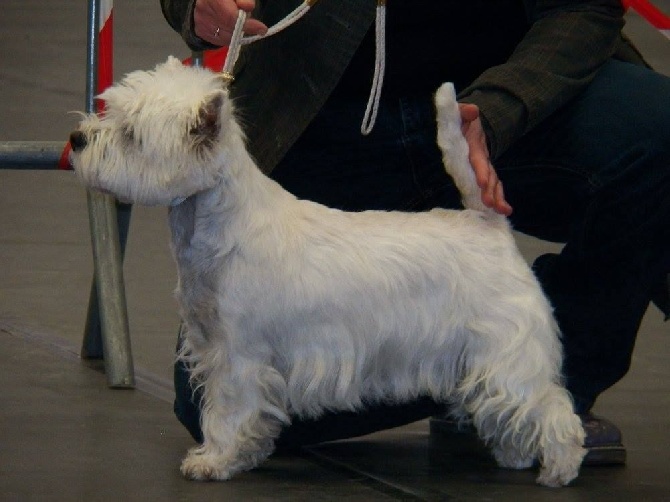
{"x": 493, "y": 195}
{"x": 215, "y": 20}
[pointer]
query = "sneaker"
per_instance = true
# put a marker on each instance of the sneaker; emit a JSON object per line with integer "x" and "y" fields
{"x": 603, "y": 438}
{"x": 603, "y": 441}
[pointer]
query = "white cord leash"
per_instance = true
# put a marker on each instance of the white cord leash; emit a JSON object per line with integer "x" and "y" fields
{"x": 234, "y": 48}
{"x": 372, "y": 107}
{"x": 238, "y": 40}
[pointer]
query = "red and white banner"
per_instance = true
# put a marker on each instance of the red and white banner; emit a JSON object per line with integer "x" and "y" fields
{"x": 651, "y": 13}
{"x": 105, "y": 69}
{"x": 105, "y": 47}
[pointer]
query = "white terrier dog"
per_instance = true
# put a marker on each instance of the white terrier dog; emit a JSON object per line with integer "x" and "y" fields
{"x": 292, "y": 308}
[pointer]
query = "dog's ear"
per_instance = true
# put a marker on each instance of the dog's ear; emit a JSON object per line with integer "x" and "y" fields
{"x": 208, "y": 124}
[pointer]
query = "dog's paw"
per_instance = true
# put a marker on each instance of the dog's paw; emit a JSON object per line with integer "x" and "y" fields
{"x": 201, "y": 465}
{"x": 562, "y": 469}
{"x": 556, "y": 477}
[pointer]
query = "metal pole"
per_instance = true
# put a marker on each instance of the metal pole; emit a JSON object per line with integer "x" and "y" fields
{"x": 92, "y": 346}
{"x": 197, "y": 59}
{"x": 30, "y": 154}
{"x": 106, "y": 248}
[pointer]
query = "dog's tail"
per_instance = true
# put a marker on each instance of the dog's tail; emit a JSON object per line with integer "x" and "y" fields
{"x": 455, "y": 151}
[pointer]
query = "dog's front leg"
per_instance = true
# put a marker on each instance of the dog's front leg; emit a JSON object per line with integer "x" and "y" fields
{"x": 243, "y": 409}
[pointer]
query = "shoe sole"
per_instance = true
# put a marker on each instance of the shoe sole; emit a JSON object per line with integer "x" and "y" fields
{"x": 596, "y": 456}
{"x": 605, "y": 455}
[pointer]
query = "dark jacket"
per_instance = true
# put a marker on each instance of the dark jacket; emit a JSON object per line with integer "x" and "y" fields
{"x": 282, "y": 82}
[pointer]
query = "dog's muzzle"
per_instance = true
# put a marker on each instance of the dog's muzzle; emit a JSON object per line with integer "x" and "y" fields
{"x": 78, "y": 141}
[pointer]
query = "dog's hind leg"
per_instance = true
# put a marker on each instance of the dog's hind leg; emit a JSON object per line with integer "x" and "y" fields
{"x": 242, "y": 414}
{"x": 561, "y": 441}
{"x": 510, "y": 388}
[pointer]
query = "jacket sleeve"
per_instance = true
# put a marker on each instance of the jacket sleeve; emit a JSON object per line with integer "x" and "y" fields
{"x": 179, "y": 15}
{"x": 568, "y": 41}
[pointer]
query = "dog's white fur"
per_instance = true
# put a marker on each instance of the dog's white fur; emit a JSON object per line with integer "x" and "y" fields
{"x": 293, "y": 308}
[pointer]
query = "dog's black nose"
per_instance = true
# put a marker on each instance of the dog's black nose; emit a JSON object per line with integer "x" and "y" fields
{"x": 77, "y": 141}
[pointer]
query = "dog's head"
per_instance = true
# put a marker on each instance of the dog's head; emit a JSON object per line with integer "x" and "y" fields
{"x": 161, "y": 137}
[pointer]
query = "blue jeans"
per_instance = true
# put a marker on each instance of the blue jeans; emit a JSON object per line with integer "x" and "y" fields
{"x": 595, "y": 176}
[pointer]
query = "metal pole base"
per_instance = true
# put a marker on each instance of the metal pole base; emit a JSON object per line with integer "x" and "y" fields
{"x": 107, "y": 260}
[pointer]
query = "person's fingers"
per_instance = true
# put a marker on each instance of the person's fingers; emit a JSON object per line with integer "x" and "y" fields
{"x": 501, "y": 204}
{"x": 469, "y": 112}
{"x": 246, "y": 5}
{"x": 492, "y": 195}
{"x": 255, "y": 27}
{"x": 489, "y": 192}
{"x": 214, "y": 20}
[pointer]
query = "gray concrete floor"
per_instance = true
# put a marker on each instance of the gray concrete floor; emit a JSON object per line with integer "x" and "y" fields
{"x": 65, "y": 436}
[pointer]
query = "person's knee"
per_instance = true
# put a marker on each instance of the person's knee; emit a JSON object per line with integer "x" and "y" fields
{"x": 635, "y": 97}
